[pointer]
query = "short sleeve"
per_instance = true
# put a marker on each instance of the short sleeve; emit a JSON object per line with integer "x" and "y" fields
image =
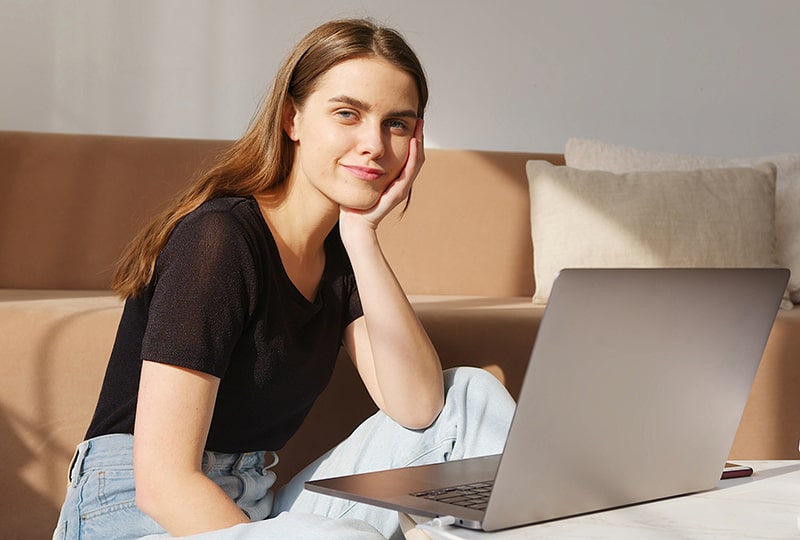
{"x": 354, "y": 309}
{"x": 204, "y": 292}
{"x": 345, "y": 288}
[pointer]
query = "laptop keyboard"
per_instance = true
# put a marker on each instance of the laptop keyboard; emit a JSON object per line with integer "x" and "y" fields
{"x": 475, "y": 496}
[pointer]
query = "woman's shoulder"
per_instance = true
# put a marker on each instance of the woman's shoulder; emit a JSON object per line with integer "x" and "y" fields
{"x": 230, "y": 205}
{"x": 223, "y": 224}
{"x": 226, "y": 213}
{"x": 219, "y": 238}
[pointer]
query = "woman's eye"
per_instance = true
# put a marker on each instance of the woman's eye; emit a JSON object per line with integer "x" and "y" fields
{"x": 346, "y": 114}
{"x": 397, "y": 125}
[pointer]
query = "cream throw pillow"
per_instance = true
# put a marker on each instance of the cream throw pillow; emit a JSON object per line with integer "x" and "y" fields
{"x": 704, "y": 218}
{"x": 593, "y": 154}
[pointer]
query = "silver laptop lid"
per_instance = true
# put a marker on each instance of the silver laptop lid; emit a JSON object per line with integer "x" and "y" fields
{"x": 635, "y": 388}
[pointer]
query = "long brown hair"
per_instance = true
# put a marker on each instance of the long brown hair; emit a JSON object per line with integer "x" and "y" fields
{"x": 262, "y": 158}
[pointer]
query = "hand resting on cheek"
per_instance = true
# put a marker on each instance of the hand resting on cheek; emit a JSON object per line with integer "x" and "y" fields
{"x": 395, "y": 193}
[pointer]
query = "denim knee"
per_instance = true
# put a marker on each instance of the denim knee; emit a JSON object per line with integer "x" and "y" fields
{"x": 473, "y": 380}
{"x": 480, "y": 408}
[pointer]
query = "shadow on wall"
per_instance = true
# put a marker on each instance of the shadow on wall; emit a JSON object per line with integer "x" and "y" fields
{"x": 60, "y": 344}
{"x": 20, "y": 503}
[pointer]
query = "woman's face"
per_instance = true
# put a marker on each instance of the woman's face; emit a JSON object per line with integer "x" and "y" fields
{"x": 352, "y": 134}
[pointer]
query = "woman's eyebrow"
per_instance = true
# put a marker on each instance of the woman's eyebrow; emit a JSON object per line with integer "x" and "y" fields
{"x": 358, "y": 104}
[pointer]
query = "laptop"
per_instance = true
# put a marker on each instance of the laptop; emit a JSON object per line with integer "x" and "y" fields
{"x": 633, "y": 392}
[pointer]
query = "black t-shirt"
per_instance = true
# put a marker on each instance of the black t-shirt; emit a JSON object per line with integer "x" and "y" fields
{"x": 221, "y": 302}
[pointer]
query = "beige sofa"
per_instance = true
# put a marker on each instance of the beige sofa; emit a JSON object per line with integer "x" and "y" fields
{"x": 69, "y": 203}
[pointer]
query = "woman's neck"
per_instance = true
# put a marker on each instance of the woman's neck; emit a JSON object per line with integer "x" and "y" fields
{"x": 299, "y": 230}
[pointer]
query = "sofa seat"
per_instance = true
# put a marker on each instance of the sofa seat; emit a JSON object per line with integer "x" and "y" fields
{"x": 498, "y": 334}
{"x": 61, "y": 341}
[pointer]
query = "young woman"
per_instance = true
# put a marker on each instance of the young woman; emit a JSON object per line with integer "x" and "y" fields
{"x": 238, "y": 299}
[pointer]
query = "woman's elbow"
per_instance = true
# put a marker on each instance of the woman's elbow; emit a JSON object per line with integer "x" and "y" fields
{"x": 420, "y": 415}
{"x": 154, "y": 493}
{"x": 149, "y": 498}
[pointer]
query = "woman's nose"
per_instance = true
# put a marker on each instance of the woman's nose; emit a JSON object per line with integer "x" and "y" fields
{"x": 371, "y": 140}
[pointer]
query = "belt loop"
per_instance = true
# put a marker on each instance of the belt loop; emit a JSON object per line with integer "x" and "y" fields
{"x": 210, "y": 461}
{"x": 237, "y": 465}
{"x": 76, "y": 466}
{"x": 275, "y": 460}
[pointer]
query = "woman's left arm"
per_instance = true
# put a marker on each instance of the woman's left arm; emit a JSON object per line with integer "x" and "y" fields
{"x": 391, "y": 350}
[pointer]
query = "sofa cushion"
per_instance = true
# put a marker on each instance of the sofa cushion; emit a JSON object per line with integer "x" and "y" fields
{"x": 593, "y": 154}
{"x": 712, "y": 218}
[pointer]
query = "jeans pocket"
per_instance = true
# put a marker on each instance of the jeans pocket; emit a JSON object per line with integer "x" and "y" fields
{"x": 108, "y": 506}
{"x": 107, "y": 490}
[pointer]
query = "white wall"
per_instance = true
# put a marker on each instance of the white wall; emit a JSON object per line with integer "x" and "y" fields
{"x": 702, "y": 76}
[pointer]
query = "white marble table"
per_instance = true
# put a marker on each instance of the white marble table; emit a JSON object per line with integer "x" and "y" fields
{"x": 765, "y": 505}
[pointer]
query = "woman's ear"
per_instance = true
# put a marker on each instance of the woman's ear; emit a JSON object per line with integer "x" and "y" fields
{"x": 289, "y": 116}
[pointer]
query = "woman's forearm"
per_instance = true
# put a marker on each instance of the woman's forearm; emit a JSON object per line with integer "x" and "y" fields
{"x": 173, "y": 415}
{"x": 186, "y": 504}
{"x": 406, "y": 367}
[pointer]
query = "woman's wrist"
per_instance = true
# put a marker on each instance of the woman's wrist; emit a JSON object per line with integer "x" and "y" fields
{"x": 356, "y": 232}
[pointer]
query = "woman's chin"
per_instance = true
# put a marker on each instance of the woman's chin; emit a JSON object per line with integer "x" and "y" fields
{"x": 360, "y": 204}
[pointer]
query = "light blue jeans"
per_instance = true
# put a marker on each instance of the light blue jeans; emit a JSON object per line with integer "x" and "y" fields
{"x": 100, "y": 500}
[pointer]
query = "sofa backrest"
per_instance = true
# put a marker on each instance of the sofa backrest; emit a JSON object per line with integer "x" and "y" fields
{"x": 467, "y": 230}
{"x": 70, "y": 203}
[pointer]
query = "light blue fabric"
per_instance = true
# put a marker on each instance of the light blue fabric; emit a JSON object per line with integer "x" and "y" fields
{"x": 100, "y": 500}
{"x": 475, "y": 420}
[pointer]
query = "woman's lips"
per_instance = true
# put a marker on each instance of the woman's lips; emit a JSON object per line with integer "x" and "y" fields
{"x": 365, "y": 173}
